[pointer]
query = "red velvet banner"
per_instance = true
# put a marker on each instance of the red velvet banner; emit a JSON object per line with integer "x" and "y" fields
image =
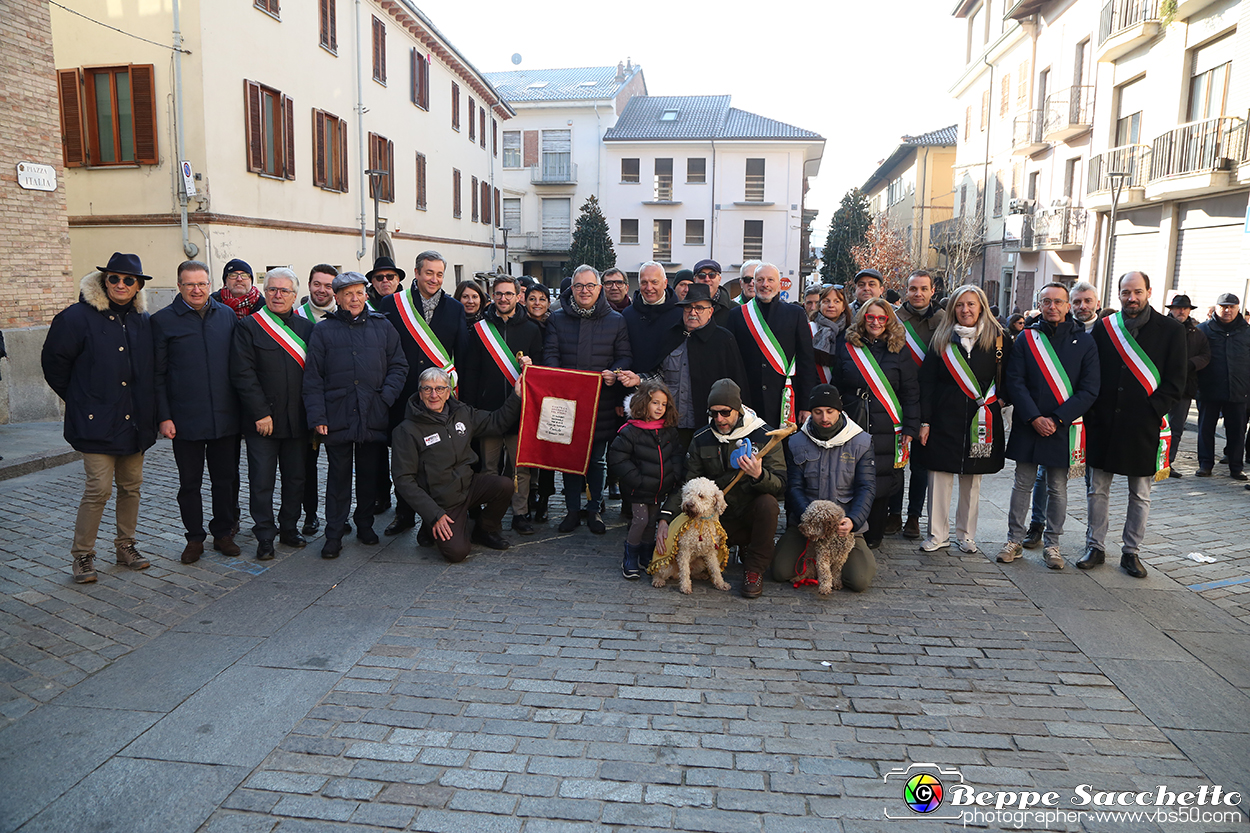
{"x": 557, "y": 418}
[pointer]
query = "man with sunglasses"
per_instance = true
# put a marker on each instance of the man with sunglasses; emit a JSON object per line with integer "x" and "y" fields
{"x": 98, "y": 358}
{"x": 708, "y": 272}
{"x": 746, "y": 281}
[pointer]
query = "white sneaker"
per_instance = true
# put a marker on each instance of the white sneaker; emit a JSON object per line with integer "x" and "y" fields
{"x": 1052, "y": 558}
{"x": 968, "y": 545}
{"x": 932, "y": 544}
{"x": 1010, "y": 552}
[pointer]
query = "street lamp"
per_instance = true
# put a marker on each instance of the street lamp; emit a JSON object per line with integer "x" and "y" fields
{"x": 1117, "y": 187}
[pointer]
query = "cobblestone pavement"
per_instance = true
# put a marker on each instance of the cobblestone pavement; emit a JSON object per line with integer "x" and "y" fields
{"x": 535, "y": 690}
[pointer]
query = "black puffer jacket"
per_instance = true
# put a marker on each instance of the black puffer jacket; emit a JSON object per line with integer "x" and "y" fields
{"x": 1227, "y": 377}
{"x": 597, "y": 343}
{"x": 432, "y": 459}
{"x": 950, "y": 412}
{"x": 900, "y": 372}
{"x": 270, "y": 383}
{"x": 354, "y": 371}
{"x": 648, "y": 463}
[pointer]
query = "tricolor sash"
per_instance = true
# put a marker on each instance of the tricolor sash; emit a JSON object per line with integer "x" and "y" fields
{"x": 772, "y": 351}
{"x": 307, "y": 311}
{"x": 981, "y": 440}
{"x": 498, "y": 349}
{"x": 281, "y": 333}
{"x": 1141, "y": 366}
{"x": 420, "y": 331}
{"x": 1061, "y": 386}
{"x": 914, "y": 345}
{"x": 881, "y": 388}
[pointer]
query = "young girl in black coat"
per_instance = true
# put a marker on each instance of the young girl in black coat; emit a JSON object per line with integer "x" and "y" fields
{"x": 648, "y": 460}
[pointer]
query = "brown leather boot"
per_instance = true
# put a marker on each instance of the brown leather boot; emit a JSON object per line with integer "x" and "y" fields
{"x": 192, "y": 551}
{"x": 226, "y": 546}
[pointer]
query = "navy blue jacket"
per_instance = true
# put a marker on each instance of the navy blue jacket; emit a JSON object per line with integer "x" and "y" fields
{"x": 764, "y": 385}
{"x": 1030, "y": 393}
{"x": 598, "y": 343}
{"x": 649, "y": 326}
{"x": 845, "y": 474}
{"x": 449, "y": 327}
{"x": 1227, "y": 377}
{"x": 269, "y": 382}
{"x": 193, "y": 386}
{"x": 353, "y": 374}
{"x": 99, "y": 360}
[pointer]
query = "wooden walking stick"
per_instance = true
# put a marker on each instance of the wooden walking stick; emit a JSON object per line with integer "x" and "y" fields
{"x": 775, "y": 437}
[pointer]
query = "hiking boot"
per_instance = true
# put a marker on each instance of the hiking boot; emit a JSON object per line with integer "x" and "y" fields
{"x": 911, "y": 529}
{"x": 1009, "y": 553}
{"x": 1033, "y": 538}
{"x": 893, "y": 524}
{"x": 192, "y": 551}
{"x": 752, "y": 585}
{"x": 1131, "y": 564}
{"x": 226, "y": 546}
{"x": 128, "y": 556}
{"x": 489, "y": 539}
{"x": 594, "y": 522}
{"x": 521, "y": 524}
{"x": 1052, "y": 558}
{"x": 84, "y": 568}
{"x": 1093, "y": 558}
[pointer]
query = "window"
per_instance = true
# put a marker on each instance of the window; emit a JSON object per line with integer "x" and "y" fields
{"x": 1004, "y": 98}
{"x": 382, "y": 158}
{"x": 1033, "y": 178}
{"x": 696, "y": 171}
{"x": 512, "y": 214}
{"x": 472, "y": 119}
{"x": 481, "y": 135}
{"x": 557, "y": 158}
{"x": 329, "y": 151}
{"x": 512, "y": 148}
{"x": 1069, "y": 178}
{"x": 755, "y": 180}
{"x": 419, "y": 69}
{"x": 270, "y": 132}
{"x": 556, "y": 215}
{"x": 1130, "y": 102}
{"x": 663, "y": 179}
{"x": 421, "y": 181}
{"x": 967, "y": 122}
{"x": 1208, "y": 81}
{"x": 629, "y": 170}
{"x": 473, "y": 198}
{"x": 270, "y": 6}
{"x": 455, "y": 106}
{"x": 327, "y": 14}
{"x": 752, "y": 240}
{"x": 455, "y": 193}
{"x": 985, "y": 109}
{"x": 108, "y": 116}
{"x": 485, "y": 203}
{"x": 694, "y": 232}
{"x": 662, "y": 241}
{"x": 1022, "y": 86}
{"x": 998, "y": 193}
{"x": 629, "y": 232}
{"x": 379, "y": 51}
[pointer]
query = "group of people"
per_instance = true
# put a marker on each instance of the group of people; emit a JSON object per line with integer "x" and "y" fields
{"x": 408, "y": 385}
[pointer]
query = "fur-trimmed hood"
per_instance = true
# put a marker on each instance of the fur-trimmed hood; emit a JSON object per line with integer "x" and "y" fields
{"x": 91, "y": 292}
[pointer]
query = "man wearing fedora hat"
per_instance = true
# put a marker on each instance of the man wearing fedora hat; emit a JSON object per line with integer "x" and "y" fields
{"x": 1223, "y": 386}
{"x": 98, "y": 357}
{"x": 385, "y": 278}
{"x": 1198, "y": 349}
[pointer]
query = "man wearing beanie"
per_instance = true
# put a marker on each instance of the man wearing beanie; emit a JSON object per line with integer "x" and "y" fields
{"x": 750, "y": 519}
{"x": 833, "y": 460}
{"x": 238, "y": 289}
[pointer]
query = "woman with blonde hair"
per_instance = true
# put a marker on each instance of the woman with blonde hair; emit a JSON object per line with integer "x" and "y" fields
{"x": 878, "y": 383}
{"x": 961, "y": 429}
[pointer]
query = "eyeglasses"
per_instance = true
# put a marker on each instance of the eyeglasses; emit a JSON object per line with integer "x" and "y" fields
{"x": 708, "y": 275}
{"x": 278, "y": 290}
{"x": 238, "y": 276}
{"x": 129, "y": 280}
{"x": 584, "y": 287}
{"x": 434, "y": 389}
{"x": 720, "y": 412}
{"x": 505, "y": 294}
{"x": 614, "y": 283}
{"x": 880, "y": 319}
{"x": 699, "y": 308}
{"x": 200, "y": 285}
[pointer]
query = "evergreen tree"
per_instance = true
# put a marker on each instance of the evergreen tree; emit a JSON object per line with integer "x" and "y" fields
{"x": 847, "y": 230}
{"x": 591, "y": 242}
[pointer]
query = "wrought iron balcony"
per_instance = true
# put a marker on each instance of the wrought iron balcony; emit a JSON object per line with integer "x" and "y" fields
{"x": 1059, "y": 228}
{"x": 556, "y": 240}
{"x": 1199, "y": 147}
{"x": 1133, "y": 160}
{"x": 1119, "y": 16}
{"x": 1069, "y": 113}
{"x": 1026, "y": 133}
{"x": 555, "y": 169}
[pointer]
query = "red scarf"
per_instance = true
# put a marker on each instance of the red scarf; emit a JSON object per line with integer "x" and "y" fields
{"x": 242, "y": 306}
{"x": 646, "y": 424}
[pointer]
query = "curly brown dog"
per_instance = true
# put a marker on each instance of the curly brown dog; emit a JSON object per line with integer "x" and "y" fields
{"x": 820, "y": 526}
{"x": 701, "y": 542}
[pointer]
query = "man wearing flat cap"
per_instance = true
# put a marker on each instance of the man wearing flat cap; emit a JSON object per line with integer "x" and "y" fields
{"x": 1223, "y": 386}
{"x": 98, "y": 358}
{"x": 1198, "y": 349}
{"x": 868, "y": 285}
{"x": 238, "y": 289}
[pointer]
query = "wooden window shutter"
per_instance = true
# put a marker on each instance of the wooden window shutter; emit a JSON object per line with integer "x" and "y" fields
{"x": 529, "y": 148}
{"x": 967, "y": 121}
{"x": 473, "y": 198}
{"x": 414, "y": 71}
{"x": 252, "y": 103}
{"x": 494, "y": 137}
{"x": 329, "y": 25}
{"x": 420, "y": 180}
{"x": 319, "y": 148}
{"x": 143, "y": 98}
{"x": 379, "y": 51}
{"x": 69, "y": 90}
{"x": 498, "y": 215}
{"x": 482, "y": 134}
{"x": 390, "y": 171}
{"x": 472, "y": 120}
{"x": 455, "y": 105}
{"x": 425, "y": 80}
{"x": 343, "y": 178}
{"x": 485, "y": 203}
{"x": 1004, "y": 101}
{"x": 288, "y": 137}
{"x": 985, "y": 109}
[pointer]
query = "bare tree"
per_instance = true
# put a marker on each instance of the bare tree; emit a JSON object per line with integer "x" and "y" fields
{"x": 885, "y": 249}
{"x": 962, "y": 240}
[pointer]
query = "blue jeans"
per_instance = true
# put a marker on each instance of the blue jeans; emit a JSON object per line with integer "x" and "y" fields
{"x": 1041, "y": 497}
{"x": 596, "y": 474}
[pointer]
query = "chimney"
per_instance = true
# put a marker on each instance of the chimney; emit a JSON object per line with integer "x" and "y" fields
{"x": 620, "y": 71}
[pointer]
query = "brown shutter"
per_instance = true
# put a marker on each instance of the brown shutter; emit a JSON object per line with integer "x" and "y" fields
{"x": 455, "y": 105}
{"x": 498, "y": 215}
{"x": 494, "y": 137}
{"x": 319, "y": 147}
{"x": 73, "y": 146}
{"x": 482, "y": 134}
{"x": 343, "y": 178}
{"x": 530, "y": 152}
{"x": 473, "y": 198}
{"x": 390, "y": 171}
{"x": 288, "y": 137}
{"x": 143, "y": 97}
{"x": 412, "y": 66}
{"x": 425, "y": 81}
{"x": 382, "y": 49}
{"x": 373, "y": 161}
{"x": 324, "y": 9}
{"x": 255, "y": 152}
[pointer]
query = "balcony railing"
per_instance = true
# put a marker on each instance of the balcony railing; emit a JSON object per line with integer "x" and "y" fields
{"x": 555, "y": 169}
{"x": 1059, "y": 228}
{"x": 556, "y": 240}
{"x": 1199, "y": 147}
{"x": 1026, "y": 131}
{"x": 1069, "y": 113}
{"x": 1133, "y": 160}
{"x": 959, "y": 232}
{"x": 1119, "y": 15}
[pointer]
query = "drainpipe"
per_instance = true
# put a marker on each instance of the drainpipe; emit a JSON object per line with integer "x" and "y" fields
{"x": 985, "y": 171}
{"x": 711, "y": 238}
{"x": 188, "y": 248}
{"x": 360, "y": 135}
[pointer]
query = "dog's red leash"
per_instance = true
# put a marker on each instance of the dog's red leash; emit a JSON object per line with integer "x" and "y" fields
{"x": 801, "y": 579}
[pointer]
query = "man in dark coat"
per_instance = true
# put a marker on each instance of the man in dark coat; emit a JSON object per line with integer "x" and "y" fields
{"x": 433, "y": 466}
{"x": 1042, "y": 429}
{"x": 586, "y": 334}
{"x": 487, "y": 386}
{"x": 1198, "y": 351}
{"x": 765, "y": 385}
{"x": 98, "y": 358}
{"x": 443, "y": 316}
{"x": 198, "y": 408}
{"x": 354, "y": 370}
{"x": 1223, "y": 386}
{"x": 238, "y": 289}
{"x": 649, "y": 319}
{"x": 267, "y": 368}
{"x": 1123, "y": 426}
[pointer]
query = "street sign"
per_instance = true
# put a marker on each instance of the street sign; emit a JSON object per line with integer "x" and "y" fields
{"x": 188, "y": 179}
{"x": 35, "y": 177}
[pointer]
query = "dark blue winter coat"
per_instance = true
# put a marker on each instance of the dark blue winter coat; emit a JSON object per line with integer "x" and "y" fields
{"x": 595, "y": 344}
{"x": 450, "y": 328}
{"x": 193, "y": 385}
{"x": 99, "y": 360}
{"x": 649, "y": 326}
{"x": 1029, "y": 392}
{"x": 354, "y": 372}
{"x": 845, "y": 474}
{"x": 1227, "y": 377}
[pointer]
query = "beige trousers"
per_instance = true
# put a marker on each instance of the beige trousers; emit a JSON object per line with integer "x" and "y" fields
{"x": 941, "y": 484}
{"x": 102, "y": 470}
{"x": 492, "y": 454}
